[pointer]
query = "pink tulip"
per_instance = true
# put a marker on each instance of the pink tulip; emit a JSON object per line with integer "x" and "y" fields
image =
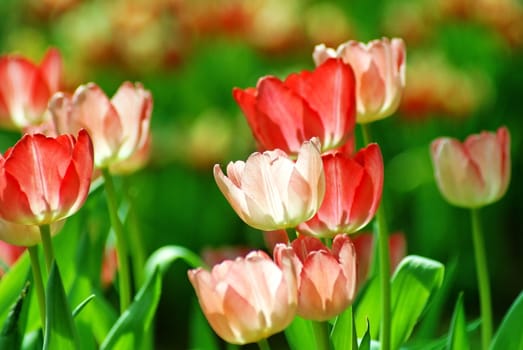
{"x": 474, "y": 173}
{"x": 118, "y": 127}
{"x": 284, "y": 114}
{"x": 27, "y": 87}
{"x": 379, "y": 67}
{"x": 352, "y": 195}
{"x": 44, "y": 179}
{"x": 270, "y": 191}
{"x": 247, "y": 299}
{"x": 326, "y": 277}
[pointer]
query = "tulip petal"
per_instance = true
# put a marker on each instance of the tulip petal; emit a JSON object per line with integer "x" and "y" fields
{"x": 329, "y": 90}
{"x": 51, "y": 68}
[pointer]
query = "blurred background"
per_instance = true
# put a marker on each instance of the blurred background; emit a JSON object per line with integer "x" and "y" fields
{"x": 464, "y": 75}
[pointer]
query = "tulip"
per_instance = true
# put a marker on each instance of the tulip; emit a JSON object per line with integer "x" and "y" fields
{"x": 118, "y": 127}
{"x": 284, "y": 114}
{"x": 379, "y": 67}
{"x": 247, "y": 299}
{"x": 326, "y": 277}
{"x": 44, "y": 179}
{"x": 9, "y": 254}
{"x": 352, "y": 195}
{"x": 474, "y": 173}
{"x": 26, "y": 88}
{"x": 24, "y": 235}
{"x": 270, "y": 191}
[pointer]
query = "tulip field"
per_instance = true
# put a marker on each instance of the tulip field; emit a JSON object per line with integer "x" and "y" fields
{"x": 299, "y": 174}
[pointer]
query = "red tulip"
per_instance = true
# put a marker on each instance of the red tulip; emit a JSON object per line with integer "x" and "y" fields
{"x": 9, "y": 254}
{"x": 284, "y": 114}
{"x": 326, "y": 277}
{"x": 247, "y": 299}
{"x": 118, "y": 127}
{"x": 474, "y": 173}
{"x": 353, "y": 187}
{"x": 379, "y": 67}
{"x": 24, "y": 235}
{"x": 44, "y": 179}
{"x": 26, "y": 88}
{"x": 270, "y": 191}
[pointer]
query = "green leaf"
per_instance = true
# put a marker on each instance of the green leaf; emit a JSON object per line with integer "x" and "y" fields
{"x": 343, "y": 334}
{"x": 368, "y": 308}
{"x": 80, "y": 306}
{"x": 60, "y": 331}
{"x": 414, "y": 282}
{"x": 99, "y": 309}
{"x": 165, "y": 256}
{"x": 509, "y": 335}
{"x": 428, "y": 327}
{"x": 12, "y": 283}
{"x": 132, "y": 324}
{"x": 11, "y": 334}
{"x": 458, "y": 338}
{"x": 300, "y": 334}
{"x": 365, "y": 341}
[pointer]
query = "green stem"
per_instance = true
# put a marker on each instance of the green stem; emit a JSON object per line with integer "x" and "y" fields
{"x": 264, "y": 344}
{"x": 483, "y": 279}
{"x": 39, "y": 285}
{"x": 137, "y": 251}
{"x": 384, "y": 263}
{"x": 320, "y": 334}
{"x": 45, "y": 233}
{"x": 124, "y": 285}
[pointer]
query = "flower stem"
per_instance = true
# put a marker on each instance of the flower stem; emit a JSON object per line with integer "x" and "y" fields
{"x": 124, "y": 285}
{"x": 39, "y": 285}
{"x": 320, "y": 334}
{"x": 384, "y": 262}
{"x": 45, "y": 233}
{"x": 263, "y": 344}
{"x": 137, "y": 251}
{"x": 483, "y": 280}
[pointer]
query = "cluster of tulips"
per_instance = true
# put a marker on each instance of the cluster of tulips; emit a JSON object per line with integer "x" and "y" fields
{"x": 69, "y": 142}
{"x": 312, "y": 192}
{"x": 308, "y": 189}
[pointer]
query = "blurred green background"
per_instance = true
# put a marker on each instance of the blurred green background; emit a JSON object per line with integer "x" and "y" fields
{"x": 464, "y": 75}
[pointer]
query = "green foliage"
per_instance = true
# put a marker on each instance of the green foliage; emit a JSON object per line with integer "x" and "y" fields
{"x": 458, "y": 337}
{"x": 12, "y": 332}
{"x": 510, "y": 335}
{"x": 414, "y": 283}
{"x": 343, "y": 332}
{"x": 129, "y": 329}
{"x": 300, "y": 334}
{"x": 60, "y": 331}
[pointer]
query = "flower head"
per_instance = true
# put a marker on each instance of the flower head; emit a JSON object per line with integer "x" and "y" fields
{"x": 352, "y": 195}
{"x": 326, "y": 277}
{"x": 284, "y": 114}
{"x": 45, "y": 179}
{"x": 270, "y": 191}
{"x": 247, "y": 299}
{"x": 474, "y": 173}
{"x": 379, "y": 67}
{"x": 118, "y": 127}
{"x": 27, "y": 87}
